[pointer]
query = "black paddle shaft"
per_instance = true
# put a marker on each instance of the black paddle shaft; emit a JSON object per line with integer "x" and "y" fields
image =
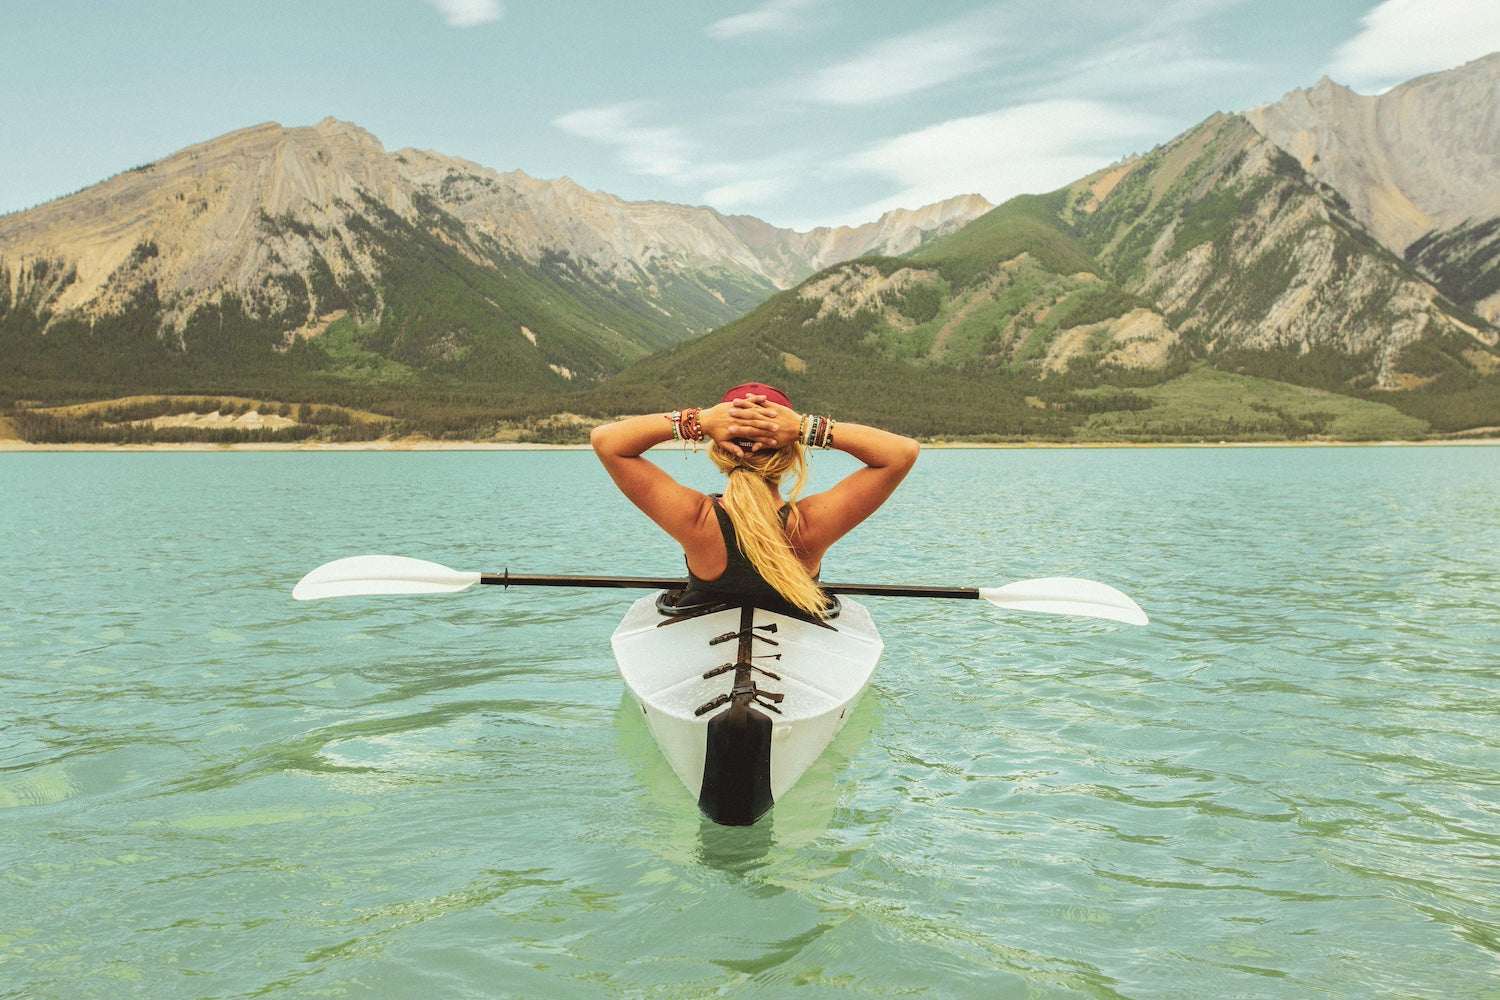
{"x": 506, "y": 579}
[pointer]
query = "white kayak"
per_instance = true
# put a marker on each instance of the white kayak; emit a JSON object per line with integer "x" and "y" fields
{"x": 742, "y": 700}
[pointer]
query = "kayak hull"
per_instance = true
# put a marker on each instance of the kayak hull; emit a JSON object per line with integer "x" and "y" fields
{"x": 743, "y": 700}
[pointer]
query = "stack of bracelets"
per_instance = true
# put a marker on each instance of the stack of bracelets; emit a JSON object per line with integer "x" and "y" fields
{"x": 816, "y": 432}
{"x": 685, "y": 425}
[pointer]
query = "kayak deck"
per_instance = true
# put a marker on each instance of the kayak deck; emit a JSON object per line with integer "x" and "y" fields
{"x": 742, "y": 700}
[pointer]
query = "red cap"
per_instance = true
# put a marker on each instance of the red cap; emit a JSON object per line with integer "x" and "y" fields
{"x": 772, "y": 394}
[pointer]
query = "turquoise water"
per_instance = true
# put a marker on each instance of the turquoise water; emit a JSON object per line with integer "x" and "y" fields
{"x": 1287, "y": 785}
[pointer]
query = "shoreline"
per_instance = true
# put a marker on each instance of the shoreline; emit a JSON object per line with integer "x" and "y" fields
{"x": 16, "y": 447}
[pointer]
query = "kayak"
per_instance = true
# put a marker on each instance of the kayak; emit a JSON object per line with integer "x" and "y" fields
{"x": 742, "y": 699}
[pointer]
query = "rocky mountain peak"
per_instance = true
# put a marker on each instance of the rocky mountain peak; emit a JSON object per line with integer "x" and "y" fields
{"x": 1422, "y": 156}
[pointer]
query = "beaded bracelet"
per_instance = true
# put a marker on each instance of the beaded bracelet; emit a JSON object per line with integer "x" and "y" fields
{"x": 816, "y": 431}
{"x": 685, "y": 425}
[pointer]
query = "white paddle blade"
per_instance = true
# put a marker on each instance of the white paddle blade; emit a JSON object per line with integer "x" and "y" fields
{"x": 380, "y": 575}
{"x": 1066, "y": 595}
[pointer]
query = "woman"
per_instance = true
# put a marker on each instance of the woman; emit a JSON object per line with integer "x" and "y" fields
{"x": 749, "y": 542}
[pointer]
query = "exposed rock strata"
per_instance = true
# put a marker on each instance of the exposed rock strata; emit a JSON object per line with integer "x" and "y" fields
{"x": 1246, "y": 251}
{"x": 1418, "y": 165}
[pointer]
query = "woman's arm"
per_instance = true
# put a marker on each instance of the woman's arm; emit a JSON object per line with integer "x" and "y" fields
{"x": 828, "y": 516}
{"x": 621, "y": 447}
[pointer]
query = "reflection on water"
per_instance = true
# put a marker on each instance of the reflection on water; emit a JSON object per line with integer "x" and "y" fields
{"x": 737, "y": 851}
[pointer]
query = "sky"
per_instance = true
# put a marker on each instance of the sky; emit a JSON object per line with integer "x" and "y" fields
{"x": 803, "y": 113}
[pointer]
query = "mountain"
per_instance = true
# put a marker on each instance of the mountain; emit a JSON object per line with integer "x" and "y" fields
{"x": 950, "y": 340}
{"x": 1139, "y": 301}
{"x": 1464, "y": 262}
{"x": 1243, "y": 250}
{"x": 1417, "y": 166}
{"x": 272, "y": 253}
{"x": 1221, "y": 285}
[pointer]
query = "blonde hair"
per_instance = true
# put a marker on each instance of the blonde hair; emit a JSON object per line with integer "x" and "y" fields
{"x": 753, "y": 507}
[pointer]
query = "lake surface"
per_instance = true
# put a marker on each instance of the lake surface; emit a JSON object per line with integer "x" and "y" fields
{"x": 1288, "y": 785}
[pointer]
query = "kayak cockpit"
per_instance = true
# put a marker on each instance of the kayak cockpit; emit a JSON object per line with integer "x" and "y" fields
{"x": 684, "y": 603}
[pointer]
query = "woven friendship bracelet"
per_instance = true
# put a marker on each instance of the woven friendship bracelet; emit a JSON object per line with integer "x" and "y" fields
{"x": 685, "y": 425}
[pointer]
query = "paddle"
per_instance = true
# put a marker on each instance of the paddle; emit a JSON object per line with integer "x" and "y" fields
{"x": 1058, "y": 595}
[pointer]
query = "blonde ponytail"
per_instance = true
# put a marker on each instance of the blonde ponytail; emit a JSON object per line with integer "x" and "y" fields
{"x": 751, "y": 502}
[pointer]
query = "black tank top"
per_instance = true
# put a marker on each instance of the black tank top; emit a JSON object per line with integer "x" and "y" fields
{"x": 740, "y": 581}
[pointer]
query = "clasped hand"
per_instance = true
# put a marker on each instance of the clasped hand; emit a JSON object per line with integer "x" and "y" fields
{"x": 751, "y": 420}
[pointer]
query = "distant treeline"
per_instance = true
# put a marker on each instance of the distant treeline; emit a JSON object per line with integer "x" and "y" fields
{"x": 129, "y": 422}
{"x": 923, "y": 402}
{"x": 44, "y": 428}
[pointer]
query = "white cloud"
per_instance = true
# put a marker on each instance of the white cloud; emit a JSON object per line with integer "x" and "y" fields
{"x": 469, "y": 13}
{"x": 1030, "y": 148}
{"x": 749, "y": 191}
{"x": 906, "y": 64}
{"x": 1401, "y": 39}
{"x": 774, "y": 15}
{"x": 653, "y": 150}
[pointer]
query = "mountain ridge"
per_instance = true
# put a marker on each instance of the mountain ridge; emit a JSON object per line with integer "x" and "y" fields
{"x": 1198, "y": 271}
{"x": 311, "y": 264}
{"x": 1417, "y": 165}
{"x": 1404, "y": 162}
{"x": 205, "y": 200}
{"x": 1249, "y": 252}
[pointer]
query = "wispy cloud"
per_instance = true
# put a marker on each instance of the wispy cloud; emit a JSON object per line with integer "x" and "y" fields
{"x": 1030, "y": 148}
{"x": 653, "y": 150}
{"x": 774, "y": 15}
{"x": 1401, "y": 39}
{"x": 666, "y": 152}
{"x": 1064, "y": 107}
{"x": 1167, "y": 15}
{"x": 762, "y": 189}
{"x": 469, "y": 13}
{"x": 1167, "y": 49}
{"x": 906, "y": 64}
{"x": 1142, "y": 67}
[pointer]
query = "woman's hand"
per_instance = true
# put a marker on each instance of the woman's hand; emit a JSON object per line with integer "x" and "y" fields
{"x": 750, "y": 423}
{"x": 777, "y": 424}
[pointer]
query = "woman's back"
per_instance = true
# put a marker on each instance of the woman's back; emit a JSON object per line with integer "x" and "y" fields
{"x": 757, "y": 441}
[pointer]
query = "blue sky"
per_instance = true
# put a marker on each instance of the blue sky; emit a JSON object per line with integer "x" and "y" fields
{"x": 800, "y": 112}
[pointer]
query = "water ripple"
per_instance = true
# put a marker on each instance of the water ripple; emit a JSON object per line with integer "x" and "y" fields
{"x": 1285, "y": 786}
